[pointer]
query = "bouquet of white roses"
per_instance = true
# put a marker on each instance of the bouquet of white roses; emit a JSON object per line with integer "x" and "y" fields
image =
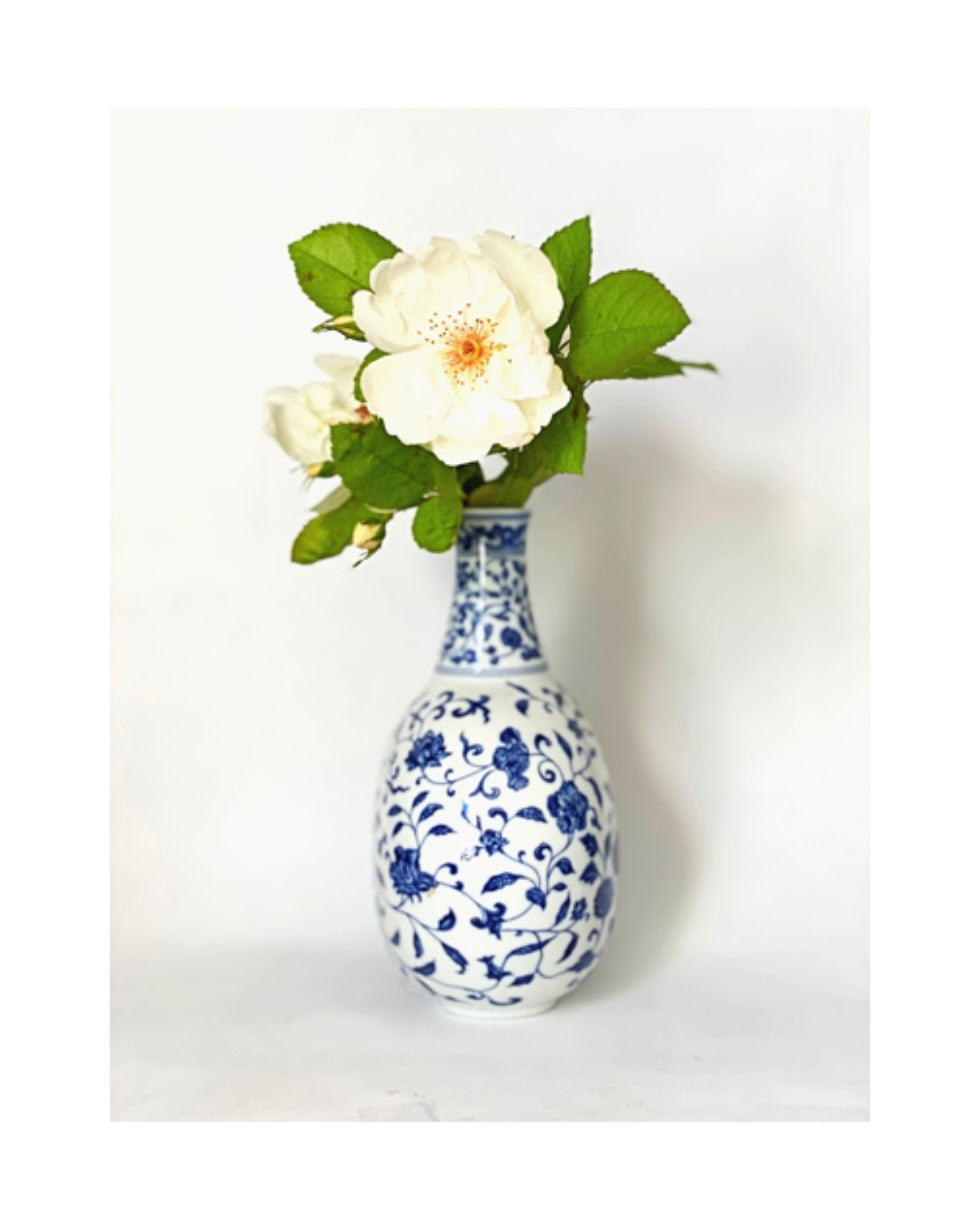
{"x": 477, "y": 348}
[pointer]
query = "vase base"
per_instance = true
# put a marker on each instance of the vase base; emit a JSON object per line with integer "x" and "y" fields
{"x": 474, "y": 1012}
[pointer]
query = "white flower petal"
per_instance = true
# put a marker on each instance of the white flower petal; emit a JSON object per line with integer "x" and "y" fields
{"x": 341, "y": 372}
{"x": 379, "y": 318}
{"x": 296, "y": 426}
{"x": 454, "y": 451}
{"x": 539, "y": 410}
{"x": 322, "y": 400}
{"x": 528, "y": 272}
{"x": 412, "y": 295}
{"x": 410, "y": 392}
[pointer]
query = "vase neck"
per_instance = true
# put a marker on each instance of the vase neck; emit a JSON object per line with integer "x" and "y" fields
{"x": 491, "y": 629}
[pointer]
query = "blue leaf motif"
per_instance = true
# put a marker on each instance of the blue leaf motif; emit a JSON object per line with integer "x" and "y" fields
{"x": 565, "y": 746}
{"x": 426, "y": 970}
{"x": 456, "y": 956}
{"x": 604, "y": 898}
{"x": 583, "y": 962}
{"x": 562, "y": 911}
{"x": 501, "y": 881}
{"x": 590, "y": 875}
{"x": 429, "y": 812}
{"x": 522, "y": 705}
{"x": 569, "y": 947}
{"x": 440, "y": 829}
{"x": 395, "y": 938}
{"x": 522, "y": 981}
{"x": 397, "y": 828}
{"x": 534, "y": 947}
{"x": 419, "y": 799}
{"x": 417, "y": 945}
{"x": 395, "y": 811}
{"x": 590, "y": 843}
{"x": 565, "y": 866}
{"x": 532, "y": 814}
{"x": 537, "y": 896}
{"x": 447, "y": 922}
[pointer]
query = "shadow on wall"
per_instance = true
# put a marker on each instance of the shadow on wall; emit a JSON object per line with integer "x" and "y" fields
{"x": 695, "y": 576}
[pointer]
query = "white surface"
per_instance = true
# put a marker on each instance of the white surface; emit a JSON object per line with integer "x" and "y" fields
{"x": 330, "y": 1033}
{"x": 702, "y": 591}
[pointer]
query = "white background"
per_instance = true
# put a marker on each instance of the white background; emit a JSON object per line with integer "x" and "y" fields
{"x": 702, "y": 590}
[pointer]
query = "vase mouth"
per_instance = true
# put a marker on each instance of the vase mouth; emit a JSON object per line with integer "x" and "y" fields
{"x": 496, "y": 512}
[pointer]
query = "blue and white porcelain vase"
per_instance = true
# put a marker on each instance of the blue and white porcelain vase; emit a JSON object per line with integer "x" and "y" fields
{"x": 496, "y": 849}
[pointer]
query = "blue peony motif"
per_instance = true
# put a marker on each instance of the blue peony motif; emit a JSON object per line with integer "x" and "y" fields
{"x": 405, "y": 872}
{"x": 512, "y": 757}
{"x": 428, "y": 750}
{"x": 568, "y": 807}
{"x": 492, "y": 841}
{"x": 604, "y": 897}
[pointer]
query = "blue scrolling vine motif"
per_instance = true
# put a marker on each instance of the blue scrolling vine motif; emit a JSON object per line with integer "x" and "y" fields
{"x": 496, "y": 855}
{"x": 495, "y": 537}
{"x": 491, "y": 626}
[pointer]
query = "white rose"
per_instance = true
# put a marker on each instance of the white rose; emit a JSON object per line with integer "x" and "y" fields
{"x": 300, "y": 419}
{"x": 464, "y": 327}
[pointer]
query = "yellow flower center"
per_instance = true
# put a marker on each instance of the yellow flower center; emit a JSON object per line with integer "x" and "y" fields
{"x": 466, "y": 344}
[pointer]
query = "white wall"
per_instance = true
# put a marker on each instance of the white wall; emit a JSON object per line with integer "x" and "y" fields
{"x": 702, "y": 589}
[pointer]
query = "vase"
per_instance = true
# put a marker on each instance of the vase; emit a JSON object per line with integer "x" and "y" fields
{"x": 495, "y": 839}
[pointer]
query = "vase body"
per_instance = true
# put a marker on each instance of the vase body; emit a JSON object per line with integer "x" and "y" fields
{"x": 495, "y": 839}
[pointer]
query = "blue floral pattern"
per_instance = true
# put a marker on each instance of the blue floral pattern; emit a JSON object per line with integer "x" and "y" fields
{"x": 408, "y": 880}
{"x": 456, "y": 854}
{"x": 568, "y": 807}
{"x": 491, "y": 625}
{"x": 496, "y": 848}
{"x": 428, "y": 750}
{"x": 512, "y": 757}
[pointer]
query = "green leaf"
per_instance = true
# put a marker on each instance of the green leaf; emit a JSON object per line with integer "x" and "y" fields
{"x": 372, "y": 356}
{"x": 620, "y": 320}
{"x": 438, "y": 518}
{"x": 332, "y": 529}
{"x": 559, "y": 448}
{"x": 659, "y": 366}
{"x": 380, "y": 469}
{"x": 333, "y": 262}
{"x": 570, "y": 252}
{"x": 470, "y": 476}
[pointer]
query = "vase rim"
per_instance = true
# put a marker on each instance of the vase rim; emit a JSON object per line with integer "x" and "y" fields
{"x": 496, "y": 512}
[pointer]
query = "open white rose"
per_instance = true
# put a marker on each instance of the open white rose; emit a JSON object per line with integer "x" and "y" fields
{"x": 300, "y": 419}
{"x": 468, "y": 363}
